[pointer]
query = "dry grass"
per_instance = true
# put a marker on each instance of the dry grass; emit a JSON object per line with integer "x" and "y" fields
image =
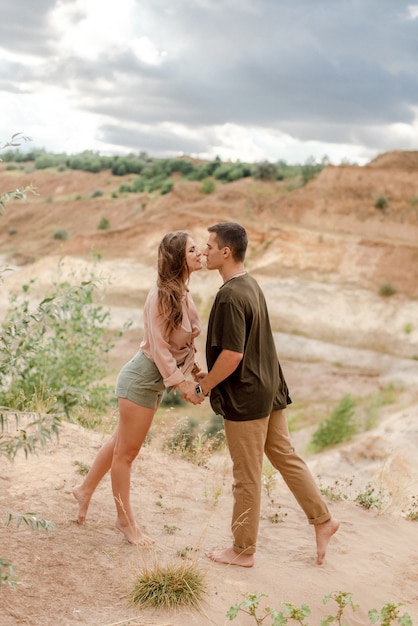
{"x": 176, "y": 584}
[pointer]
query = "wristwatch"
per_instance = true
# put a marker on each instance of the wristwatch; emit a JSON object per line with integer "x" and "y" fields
{"x": 199, "y": 391}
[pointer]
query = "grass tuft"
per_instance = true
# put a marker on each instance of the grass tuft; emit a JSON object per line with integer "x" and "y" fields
{"x": 169, "y": 586}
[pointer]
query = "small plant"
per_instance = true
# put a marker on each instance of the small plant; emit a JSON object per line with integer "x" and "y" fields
{"x": 381, "y": 203}
{"x": 166, "y": 186}
{"x": 386, "y": 290}
{"x": 104, "y": 224}
{"x": 7, "y": 574}
{"x": 337, "y": 491}
{"x": 268, "y": 478}
{"x": 371, "y": 499}
{"x": 408, "y": 328}
{"x": 343, "y": 600}
{"x": 208, "y": 186}
{"x": 412, "y": 513}
{"x": 183, "y": 553}
{"x": 170, "y": 530}
{"x": 170, "y": 586}
{"x": 172, "y": 398}
{"x": 388, "y": 615}
{"x": 83, "y": 469}
{"x": 339, "y": 427}
{"x": 97, "y": 193}
{"x": 13, "y": 231}
{"x": 32, "y": 520}
{"x": 61, "y": 234}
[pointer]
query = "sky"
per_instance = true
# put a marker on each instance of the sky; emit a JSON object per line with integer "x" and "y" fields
{"x": 245, "y": 80}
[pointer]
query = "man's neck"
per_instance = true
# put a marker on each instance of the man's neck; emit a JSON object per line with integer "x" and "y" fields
{"x": 232, "y": 272}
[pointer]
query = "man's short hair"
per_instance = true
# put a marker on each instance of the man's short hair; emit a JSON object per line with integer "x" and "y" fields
{"x": 233, "y": 236}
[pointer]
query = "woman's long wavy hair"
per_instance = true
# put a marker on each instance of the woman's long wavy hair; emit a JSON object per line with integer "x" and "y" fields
{"x": 173, "y": 274}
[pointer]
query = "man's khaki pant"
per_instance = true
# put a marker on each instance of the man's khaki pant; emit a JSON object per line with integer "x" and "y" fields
{"x": 247, "y": 442}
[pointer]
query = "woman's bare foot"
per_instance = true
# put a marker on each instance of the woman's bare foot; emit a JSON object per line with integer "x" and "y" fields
{"x": 83, "y": 503}
{"x": 323, "y": 534}
{"x": 133, "y": 535}
{"x": 230, "y": 557}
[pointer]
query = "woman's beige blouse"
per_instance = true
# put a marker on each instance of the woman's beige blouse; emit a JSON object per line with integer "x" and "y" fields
{"x": 173, "y": 353}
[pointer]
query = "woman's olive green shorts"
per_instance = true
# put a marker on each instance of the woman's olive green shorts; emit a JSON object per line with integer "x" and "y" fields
{"x": 141, "y": 382}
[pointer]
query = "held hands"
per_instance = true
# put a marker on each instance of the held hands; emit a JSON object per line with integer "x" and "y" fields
{"x": 188, "y": 392}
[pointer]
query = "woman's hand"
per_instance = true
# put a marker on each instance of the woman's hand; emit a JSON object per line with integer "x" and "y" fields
{"x": 188, "y": 392}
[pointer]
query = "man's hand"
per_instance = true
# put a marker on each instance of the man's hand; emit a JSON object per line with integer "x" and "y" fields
{"x": 188, "y": 392}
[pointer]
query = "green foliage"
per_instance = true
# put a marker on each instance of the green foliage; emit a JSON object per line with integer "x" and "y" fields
{"x": 381, "y": 203}
{"x": 172, "y": 398}
{"x": 412, "y": 513}
{"x": 170, "y": 586}
{"x": 339, "y": 427}
{"x": 29, "y": 433}
{"x": 190, "y": 442}
{"x": 389, "y": 614}
{"x": 104, "y": 224}
{"x": 166, "y": 186}
{"x": 51, "y": 357}
{"x": 17, "y": 194}
{"x": 208, "y": 186}
{"x": 7, "y": 574}
{"x": 33, "y": 522}
{"x": 265, "y": 171}
{"x": 371, "y": 498}
{"x": 387, "y": 290}
{"x": 337, "y": 491}
{"x": 61, "y": 234}
{"x": 97, "y": 193}
{"x": 311, "y": 168}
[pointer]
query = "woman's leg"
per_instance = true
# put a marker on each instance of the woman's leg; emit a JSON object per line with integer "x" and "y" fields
{"x": 134, "y": 423}
{"x": 101, "y": 465}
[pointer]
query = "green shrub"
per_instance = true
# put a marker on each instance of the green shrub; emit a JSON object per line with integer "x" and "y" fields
{"x": 381, "y": 203}
{"x": 166, "y": 186}
{"x": 208, "y": 186}
{"x": 172, "y": 398}
{"x": 387, "y": 290}
{"x": 97, "y": 193}
{"x": 61, "y": 233}
{"x": 104, "y": 224}
{"x": 53, "y": 356}
{"x": 339, "y": 427}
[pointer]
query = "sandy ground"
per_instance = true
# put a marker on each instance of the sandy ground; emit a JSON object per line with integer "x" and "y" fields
{"x": 83, "y": 574}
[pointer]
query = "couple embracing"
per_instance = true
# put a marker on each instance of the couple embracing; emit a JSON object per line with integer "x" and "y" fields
{"x": 244, "y": 382}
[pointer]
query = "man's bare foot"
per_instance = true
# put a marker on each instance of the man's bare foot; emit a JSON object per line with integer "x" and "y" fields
{"x": 230, "y": 557}
{"x": 133, "y": 535}
{"x": 83, "y": 503}
{"x": 323, "y": 533}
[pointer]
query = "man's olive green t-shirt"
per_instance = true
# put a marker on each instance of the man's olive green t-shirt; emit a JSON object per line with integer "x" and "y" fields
{"x": 239, "y": 321}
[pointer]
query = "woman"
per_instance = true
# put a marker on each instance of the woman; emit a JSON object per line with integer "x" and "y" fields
{"x": 165, "y": 358}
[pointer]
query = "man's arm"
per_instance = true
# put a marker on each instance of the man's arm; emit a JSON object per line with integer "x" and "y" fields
{"x": 226, "y": 363}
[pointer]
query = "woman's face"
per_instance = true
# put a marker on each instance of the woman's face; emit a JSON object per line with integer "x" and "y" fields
{"x": 193, "y": 256}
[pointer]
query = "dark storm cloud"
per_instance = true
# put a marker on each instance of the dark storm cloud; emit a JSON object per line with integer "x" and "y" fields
{"x": 24, "y": 26}
{"x": 155, "y": 142}
{"x": 324, "y": 71}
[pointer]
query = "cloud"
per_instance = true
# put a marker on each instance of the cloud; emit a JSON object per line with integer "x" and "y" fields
{"x": 203, "y": 75}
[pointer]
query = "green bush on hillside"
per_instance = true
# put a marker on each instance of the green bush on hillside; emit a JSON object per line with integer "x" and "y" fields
{"x": 339, "y": 427}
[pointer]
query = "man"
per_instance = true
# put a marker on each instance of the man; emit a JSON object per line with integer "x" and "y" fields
{"x": 247, "y": 387}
